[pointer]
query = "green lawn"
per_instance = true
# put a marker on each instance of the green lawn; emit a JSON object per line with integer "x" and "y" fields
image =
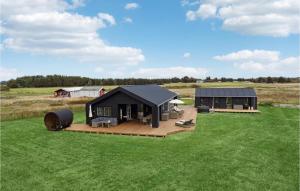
{"x": 188, "y": 101}
{"x": 225, "y": 152}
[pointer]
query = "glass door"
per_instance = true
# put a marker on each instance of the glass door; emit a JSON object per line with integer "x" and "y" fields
{"x": 128, "y": 108}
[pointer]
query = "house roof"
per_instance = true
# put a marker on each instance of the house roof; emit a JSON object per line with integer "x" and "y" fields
{"x": 91, "y": 88}
{"x": 225, "y": 92}
{"x": 150, "y": 94}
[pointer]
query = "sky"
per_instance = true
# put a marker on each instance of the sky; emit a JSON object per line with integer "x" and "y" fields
{"x": 150, "y": 39}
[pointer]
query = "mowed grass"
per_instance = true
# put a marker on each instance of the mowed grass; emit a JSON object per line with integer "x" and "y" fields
{"x": 225, "y": 152}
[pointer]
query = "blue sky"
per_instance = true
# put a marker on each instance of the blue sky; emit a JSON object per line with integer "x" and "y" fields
{"x": 150, "y": 39}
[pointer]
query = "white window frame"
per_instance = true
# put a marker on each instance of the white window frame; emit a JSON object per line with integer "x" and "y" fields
{"x": 104, "y": 111}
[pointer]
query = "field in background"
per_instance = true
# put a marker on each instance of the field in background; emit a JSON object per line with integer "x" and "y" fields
{"x": 286, "y": 93}
{"x": 226, "y": 151}
{"x": 27, "y": 102}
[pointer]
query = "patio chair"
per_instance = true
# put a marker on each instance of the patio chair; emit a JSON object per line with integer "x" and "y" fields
{"x": 107, "y": 123}
{"x": 174, "y": 115}
{"x": 144, "y": 120}
{"x": 165, "y": 116}
{"x": 178, "y": 109}
{"x": 185, "y": 123}
{"x": 140, "y": 116}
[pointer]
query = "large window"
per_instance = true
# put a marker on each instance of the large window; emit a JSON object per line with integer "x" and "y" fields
{"x": 229, "y": 101}
{"x": 104, "y": 111}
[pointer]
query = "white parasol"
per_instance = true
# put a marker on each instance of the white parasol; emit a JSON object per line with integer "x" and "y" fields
{"x": 90, "y": 111}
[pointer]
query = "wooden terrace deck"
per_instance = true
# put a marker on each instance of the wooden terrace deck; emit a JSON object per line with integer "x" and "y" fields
{"x": 135, "y": 128}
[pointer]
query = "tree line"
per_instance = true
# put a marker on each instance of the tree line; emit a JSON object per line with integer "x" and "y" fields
{"x": 68, "y": 81}
{"x": 256, "y": 80}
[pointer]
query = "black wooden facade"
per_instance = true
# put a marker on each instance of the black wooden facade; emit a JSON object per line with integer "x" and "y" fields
{"x": 226, "y": 98}
{"x": 121, "y": 99}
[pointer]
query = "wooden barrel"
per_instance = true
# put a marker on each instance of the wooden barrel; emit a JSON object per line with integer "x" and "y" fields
{"x": 58, "y": 120}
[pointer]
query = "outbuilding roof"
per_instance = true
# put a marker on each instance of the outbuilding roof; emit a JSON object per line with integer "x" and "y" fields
{"x": 225, "y": 92}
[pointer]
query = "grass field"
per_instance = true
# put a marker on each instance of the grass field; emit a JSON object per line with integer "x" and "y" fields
{"x": 287, "y": 93}
{"x": 225, "y": 152}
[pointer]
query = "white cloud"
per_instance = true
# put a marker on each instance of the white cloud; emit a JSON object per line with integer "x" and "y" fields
{"x": 77, "y": 3}
{"x": 187, "y": 55}
{"x": 99, "y": 69}
{"x": 130, "y": 6}
{"x": 246, "y": 55}
{"x": 168, "y": 72}
{"x": 107, "y": 18}
{"x": 46, "y": 27}
{"x": 127, "y": 20}
{"x": 263, "y": 61}
{"x": 204, "y": 11}
{"x": 32, "y": 6}
{"x": 155, "y": 72}
{"x": 191, "y": 15}
{"x": 8, "y": 73}
{"x": 276, "y": 18}
{"x": 189, "y": 2}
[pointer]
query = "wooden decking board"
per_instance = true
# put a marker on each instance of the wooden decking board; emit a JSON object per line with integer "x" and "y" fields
{"x": 133, "y": 128}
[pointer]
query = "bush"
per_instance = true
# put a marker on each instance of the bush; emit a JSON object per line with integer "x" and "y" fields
{"x": 4, "y": 88}
{"x": 59, "y": 103}
{"x": 195, "y": 86}
{"x": 79, "y": 101}
{"x": 266, "y": 103}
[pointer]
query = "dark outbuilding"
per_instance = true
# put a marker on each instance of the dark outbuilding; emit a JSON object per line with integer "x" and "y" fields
{"x": 130, "y": 102}
{"x": 226, "y": 98}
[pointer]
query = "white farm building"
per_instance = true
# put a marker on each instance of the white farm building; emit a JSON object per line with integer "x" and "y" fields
{"x": 86, "y": 91}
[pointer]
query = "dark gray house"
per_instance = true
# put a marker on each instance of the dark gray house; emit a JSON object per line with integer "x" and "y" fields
{"x": 226, "y": 98}
{"x": 131, "y": 102}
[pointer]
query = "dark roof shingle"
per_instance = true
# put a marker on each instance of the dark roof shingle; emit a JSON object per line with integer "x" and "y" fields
{"x": 152, "y": 93}
{"x": 225, "y": 92}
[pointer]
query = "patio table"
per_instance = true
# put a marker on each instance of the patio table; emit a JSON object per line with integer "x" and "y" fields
{"x": 102, "y": 123}
{"x": 107, "y": 122}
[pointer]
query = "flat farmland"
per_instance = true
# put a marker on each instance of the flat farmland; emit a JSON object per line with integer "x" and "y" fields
{"x": 29, "y": 102}
{"x": 287, "y": 93}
